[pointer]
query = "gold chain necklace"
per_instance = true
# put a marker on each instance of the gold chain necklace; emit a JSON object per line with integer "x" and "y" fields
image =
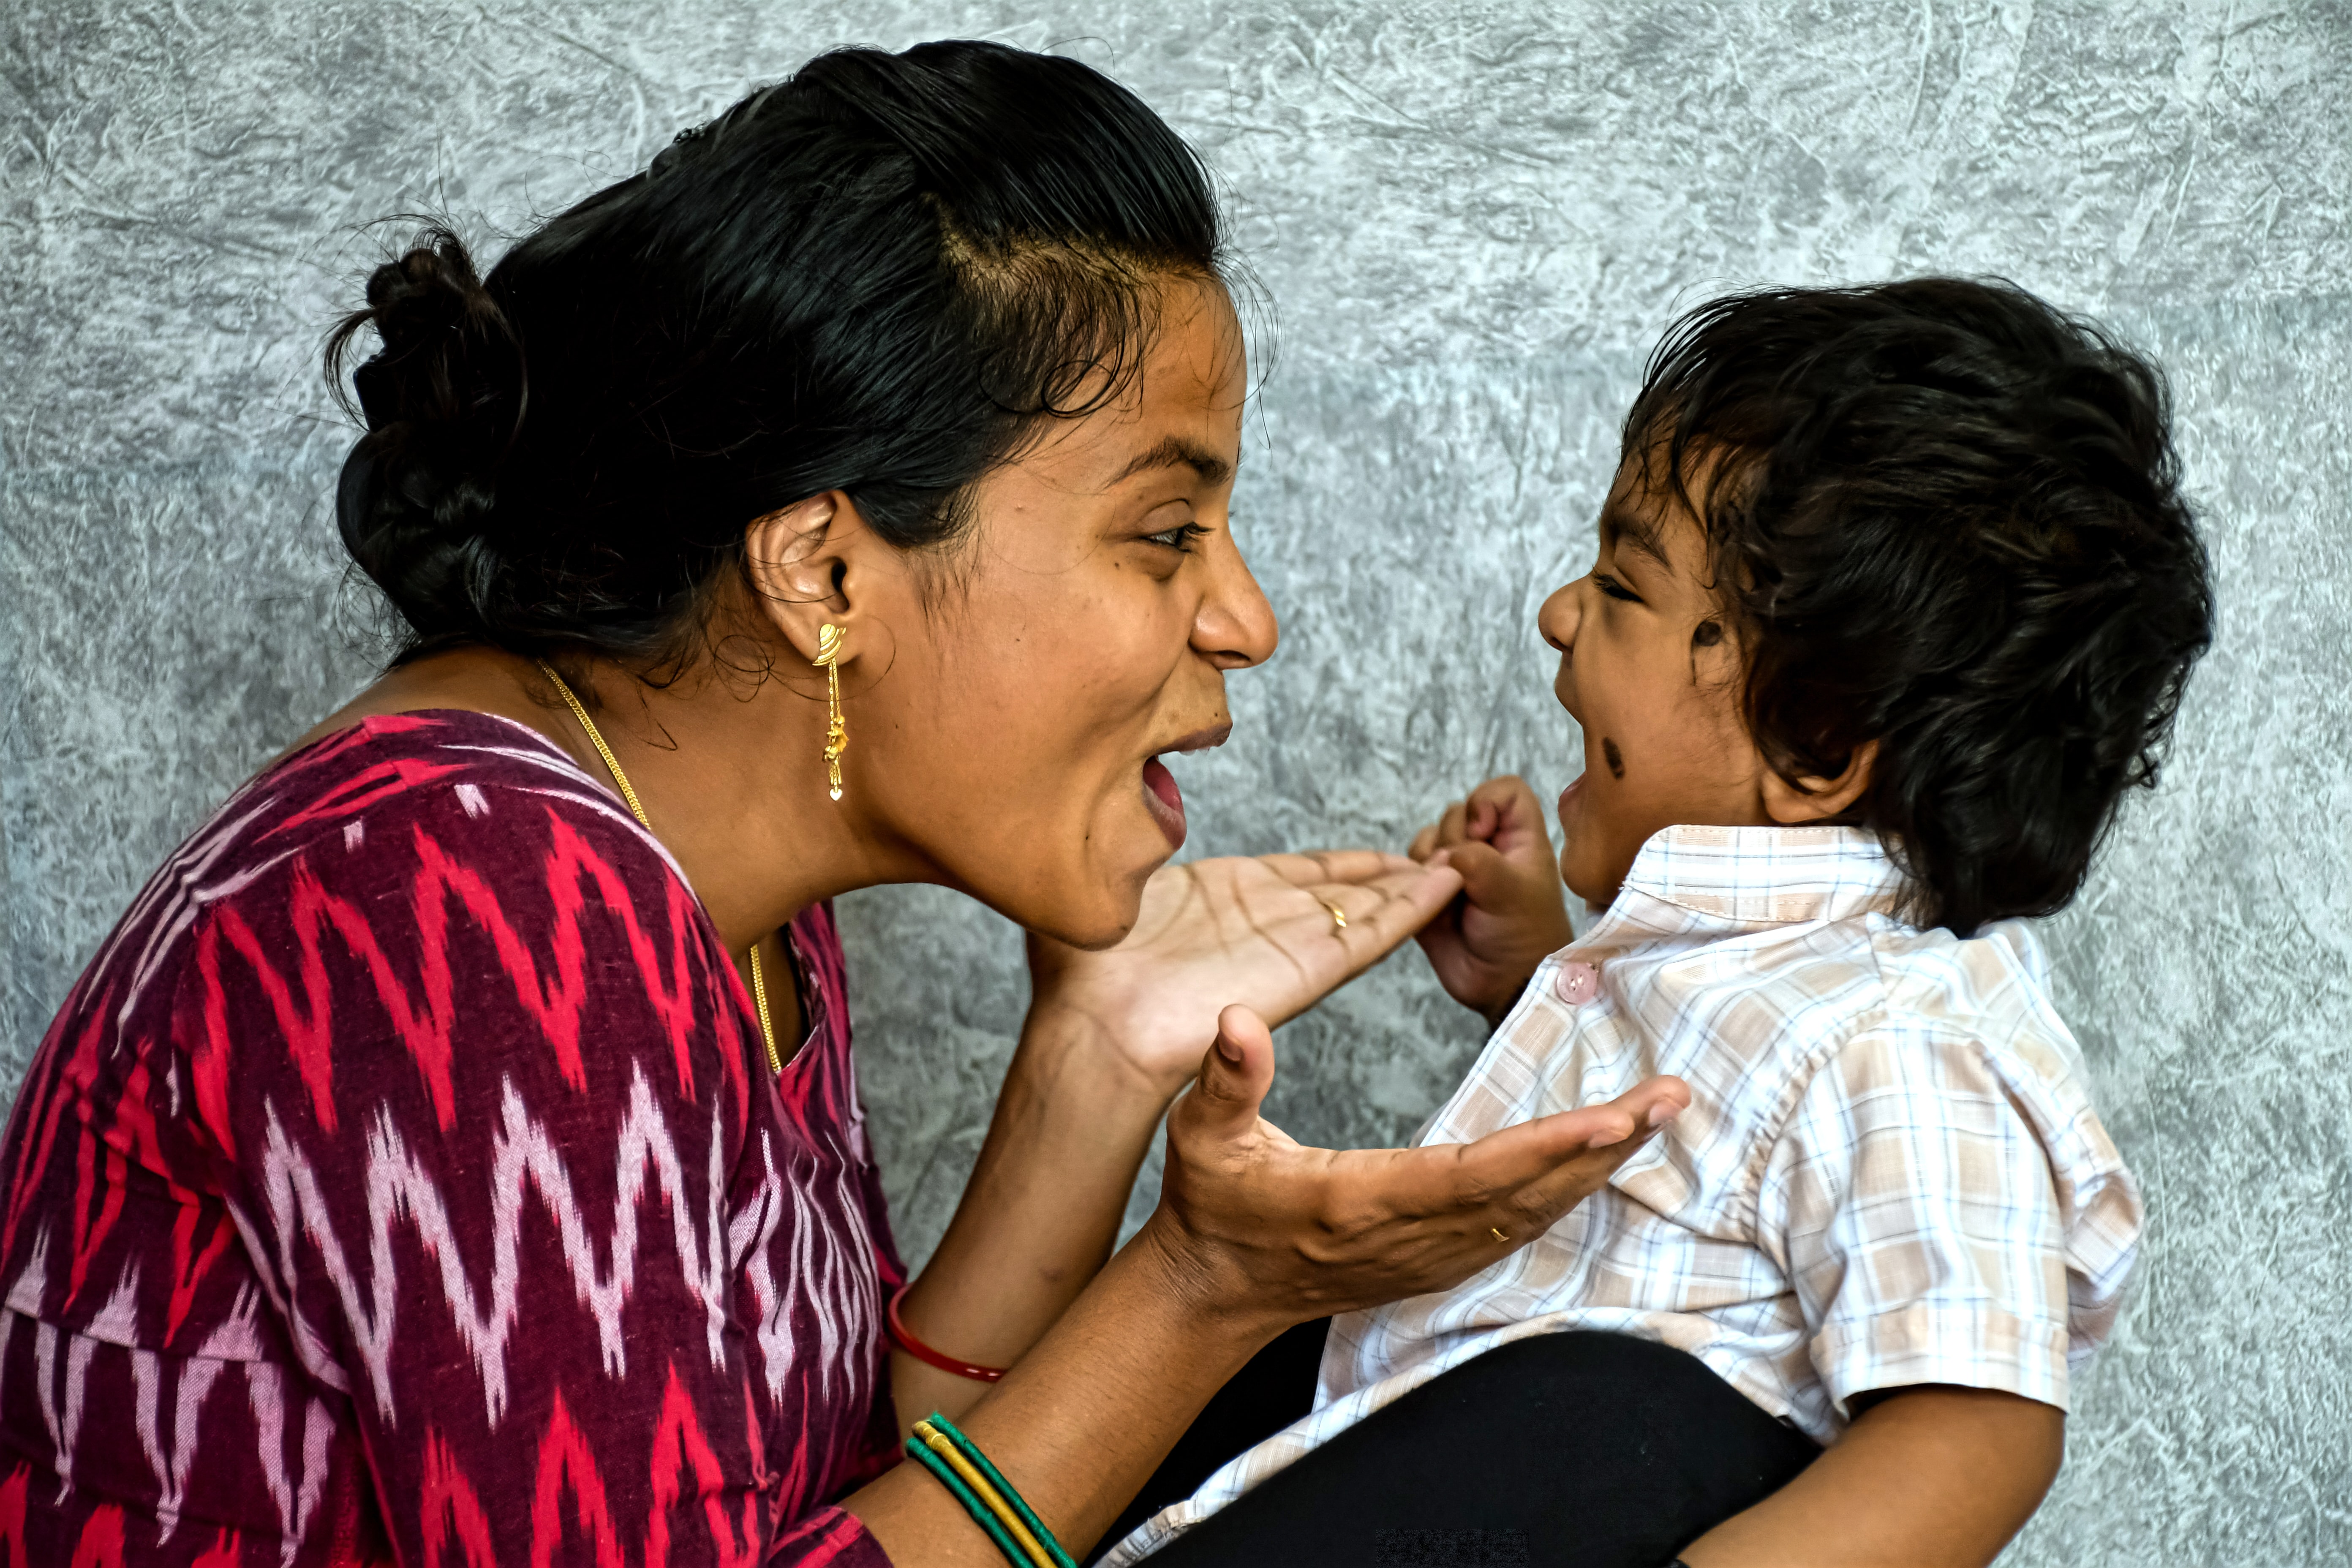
{"x": 636, "y": 809}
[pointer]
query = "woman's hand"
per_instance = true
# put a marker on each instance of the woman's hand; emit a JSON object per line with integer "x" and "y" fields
{"x": 1512, "y": 913}
{"x": 1264, "y": 1226}
{"x": 1110, "y": 1038}
{"x": 1253, "y": 1234}
{"x": 1256, "y": 931}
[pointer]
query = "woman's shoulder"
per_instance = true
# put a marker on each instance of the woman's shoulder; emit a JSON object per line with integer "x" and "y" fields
{"x": 427, "y": 877}
{"x": 444, "y": 785}
{"x": 403, "y": 835}
{"x": 405, "y": 760}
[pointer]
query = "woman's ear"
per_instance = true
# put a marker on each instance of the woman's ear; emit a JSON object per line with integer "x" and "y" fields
{"x": 1793, "y": 803}
{"x": 804, "y": 562}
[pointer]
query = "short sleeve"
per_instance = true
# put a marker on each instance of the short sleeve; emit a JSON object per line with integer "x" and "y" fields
{"x": 1933, "y": 1226}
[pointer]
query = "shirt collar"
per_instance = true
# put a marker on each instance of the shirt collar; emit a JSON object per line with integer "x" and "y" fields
{"x": 1742, "y": 877}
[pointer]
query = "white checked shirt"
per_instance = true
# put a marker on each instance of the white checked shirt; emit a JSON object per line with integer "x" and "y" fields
{"x": 1890, "y": 1172}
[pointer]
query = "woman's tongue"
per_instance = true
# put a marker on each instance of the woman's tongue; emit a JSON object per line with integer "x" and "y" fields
{"x": 1159, "y": 785}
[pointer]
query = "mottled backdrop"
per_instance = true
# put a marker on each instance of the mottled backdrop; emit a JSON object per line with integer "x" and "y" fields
{"x": 1470, "y": 222}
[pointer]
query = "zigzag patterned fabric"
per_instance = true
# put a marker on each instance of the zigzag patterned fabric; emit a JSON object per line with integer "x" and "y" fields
{"x": 403, "y": 1180}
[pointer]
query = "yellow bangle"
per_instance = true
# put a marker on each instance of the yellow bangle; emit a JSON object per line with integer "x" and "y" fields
{"x": 971, "y": 1477}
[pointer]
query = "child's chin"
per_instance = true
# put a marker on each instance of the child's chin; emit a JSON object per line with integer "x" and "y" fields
{"x": 1581, "y": 881}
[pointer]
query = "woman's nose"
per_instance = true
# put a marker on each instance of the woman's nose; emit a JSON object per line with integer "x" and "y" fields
{"x": 1235, "y": 627}
{"x": 1558, "y": 617}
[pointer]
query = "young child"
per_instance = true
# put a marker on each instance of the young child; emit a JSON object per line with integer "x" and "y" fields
{"x": 1896, "y": 597}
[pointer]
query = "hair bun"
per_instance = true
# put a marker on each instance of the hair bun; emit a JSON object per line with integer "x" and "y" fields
{"x": 417, "y": 305}
{"x": 443, "y": 401}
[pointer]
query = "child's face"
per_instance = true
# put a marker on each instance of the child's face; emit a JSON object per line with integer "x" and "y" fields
{"x": 1650, "y": 668}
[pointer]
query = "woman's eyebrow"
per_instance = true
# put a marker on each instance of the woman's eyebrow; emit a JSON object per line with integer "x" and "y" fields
{"x": 1175, "y": 451}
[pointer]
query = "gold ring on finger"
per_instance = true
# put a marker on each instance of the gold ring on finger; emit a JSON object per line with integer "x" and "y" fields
{"x": 1338, "y": 916}
{"x": 1498, "y": 1235}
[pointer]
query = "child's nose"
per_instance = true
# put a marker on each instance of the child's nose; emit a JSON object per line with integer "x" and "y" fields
{"x": 1558, "y": 617}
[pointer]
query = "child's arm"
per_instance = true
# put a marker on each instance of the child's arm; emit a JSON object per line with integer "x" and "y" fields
{"x": 1926, "y": 1476}
{"x": 1915, "y": 1194}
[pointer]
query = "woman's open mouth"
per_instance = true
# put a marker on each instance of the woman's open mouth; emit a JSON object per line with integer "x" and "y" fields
{"x": 1160, "y": 796}
{"x": 1164, "y": 801}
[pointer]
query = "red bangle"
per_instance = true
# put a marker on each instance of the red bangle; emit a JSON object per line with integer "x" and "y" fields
{"x": 925, "y": 1353}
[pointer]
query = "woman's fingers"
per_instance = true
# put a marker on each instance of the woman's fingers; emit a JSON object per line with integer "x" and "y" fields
{"x": 1382, "y": 899}
{"x": 1324, "y": 1230}
{"x": 1320, "y": 868}
{"x": 1235, "y": 1072}
{"x": 1383, "y": 915}
{"x": 1548, "y": 1197}
{"x": 1591, "y": 1160}
{"x": 1539, "y": 1170}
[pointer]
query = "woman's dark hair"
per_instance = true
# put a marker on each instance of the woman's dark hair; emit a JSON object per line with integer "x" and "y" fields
{"x": 1946, "y": 517}
{"x": 878, "y": 276}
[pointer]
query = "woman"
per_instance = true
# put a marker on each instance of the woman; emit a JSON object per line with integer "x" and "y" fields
{"x": 454, "y": 1156}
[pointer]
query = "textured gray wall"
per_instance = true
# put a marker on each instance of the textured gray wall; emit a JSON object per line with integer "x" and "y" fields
{"x": 1473, "y": 219}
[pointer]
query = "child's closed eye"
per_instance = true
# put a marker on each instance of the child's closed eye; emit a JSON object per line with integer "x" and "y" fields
{"x": 1614, "y": 589}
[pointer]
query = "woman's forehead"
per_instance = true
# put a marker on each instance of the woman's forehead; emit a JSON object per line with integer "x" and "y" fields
{"x": 1180, "y": 411}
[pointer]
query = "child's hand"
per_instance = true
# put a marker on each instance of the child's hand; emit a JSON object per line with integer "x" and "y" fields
{"x": 1512, "y": 912}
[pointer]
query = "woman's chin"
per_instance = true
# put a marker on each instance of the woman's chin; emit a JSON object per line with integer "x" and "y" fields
{"x": 1091, "y": 930}
{"x": 1095, "y": 906}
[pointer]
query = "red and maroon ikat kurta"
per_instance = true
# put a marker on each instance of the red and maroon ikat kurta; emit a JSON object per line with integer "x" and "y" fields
{"x": 403, "y": 1180}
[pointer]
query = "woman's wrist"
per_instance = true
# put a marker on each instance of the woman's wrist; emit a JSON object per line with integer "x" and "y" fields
{"x": 1204, "y": 1284}
{"x": 1084, "y": 1418}
{"x": 1203, "y": 1278}
{"x": 1077, "y": 1053}
{"x": 1041, "y": 1211}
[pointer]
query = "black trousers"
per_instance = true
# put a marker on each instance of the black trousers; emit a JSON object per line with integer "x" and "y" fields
{"x": 1579, "y": 1450}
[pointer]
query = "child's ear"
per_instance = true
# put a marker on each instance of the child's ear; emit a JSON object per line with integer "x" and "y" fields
{"x": 1793, "y": 803}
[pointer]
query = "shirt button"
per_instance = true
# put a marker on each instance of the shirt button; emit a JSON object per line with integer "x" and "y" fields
{"x": 1576, "y": 983}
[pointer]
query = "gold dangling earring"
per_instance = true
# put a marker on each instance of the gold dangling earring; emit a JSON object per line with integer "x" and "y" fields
{"x": 836, "y": 735}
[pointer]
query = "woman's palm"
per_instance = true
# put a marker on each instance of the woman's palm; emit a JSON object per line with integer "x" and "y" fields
{"x": 1254, "y": 930}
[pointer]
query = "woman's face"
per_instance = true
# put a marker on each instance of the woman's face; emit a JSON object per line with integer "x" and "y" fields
{"x": 1081, "y": 631}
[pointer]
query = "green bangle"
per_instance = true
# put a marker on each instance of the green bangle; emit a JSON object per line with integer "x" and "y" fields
{"x": 972, "y": 1505}
{"x": 970, "y": 1450}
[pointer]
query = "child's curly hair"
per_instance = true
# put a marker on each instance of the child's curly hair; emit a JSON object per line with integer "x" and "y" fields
{"x": 1947, "y": 516}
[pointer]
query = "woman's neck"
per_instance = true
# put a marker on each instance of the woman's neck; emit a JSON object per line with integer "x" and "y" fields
{"x": 729, "y": 769}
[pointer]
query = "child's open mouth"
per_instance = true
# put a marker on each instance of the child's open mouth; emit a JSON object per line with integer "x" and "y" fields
{"x": 1567, "y": 800}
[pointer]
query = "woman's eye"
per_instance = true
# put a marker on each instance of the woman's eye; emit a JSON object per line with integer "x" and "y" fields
{"x": 1179, "y": 537}
{"x": 1614, "y": 588}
